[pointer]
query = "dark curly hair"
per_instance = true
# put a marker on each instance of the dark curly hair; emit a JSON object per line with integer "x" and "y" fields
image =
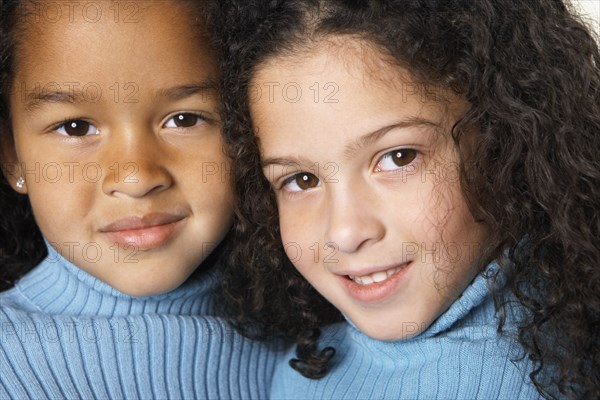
{"x": 21, "y": 243}
{"x": 529, "y": 71}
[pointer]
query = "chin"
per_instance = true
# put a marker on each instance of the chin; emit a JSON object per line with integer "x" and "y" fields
{"x": 149, "y": 287}
{"x": 387, "y": 333}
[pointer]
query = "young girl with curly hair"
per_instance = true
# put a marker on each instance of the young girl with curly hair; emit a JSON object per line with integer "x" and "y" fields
{"x": 115, "y": 191}
{"x": 435, "y": 169}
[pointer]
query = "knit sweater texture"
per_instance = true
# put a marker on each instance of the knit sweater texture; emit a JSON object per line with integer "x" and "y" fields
{"x": 460, "y": 356}
{"x": 66, "y": 334}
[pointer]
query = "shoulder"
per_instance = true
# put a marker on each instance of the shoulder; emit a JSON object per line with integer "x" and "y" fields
{"x": 14, "y": 299}
{"x": 174, "y": 355}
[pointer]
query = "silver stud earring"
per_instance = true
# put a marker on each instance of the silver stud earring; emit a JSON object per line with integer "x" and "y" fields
{"x": 20, "y": 183}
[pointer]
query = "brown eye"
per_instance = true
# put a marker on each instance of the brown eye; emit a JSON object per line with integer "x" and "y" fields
{"x": 77, "y": 127}
{"x": 183, "y": 120}
{"x": 300, "y": 182}
{"x": 396, "y": 159}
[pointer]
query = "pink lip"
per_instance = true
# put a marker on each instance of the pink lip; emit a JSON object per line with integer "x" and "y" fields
{"x": 375, "y": 292}
{"x": 144, "y": 233}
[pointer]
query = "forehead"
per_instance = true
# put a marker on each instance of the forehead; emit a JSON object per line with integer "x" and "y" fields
{"x": 105, "y": 41}
{"x": 347, "y": 89}
{"x": 336, "y": 57}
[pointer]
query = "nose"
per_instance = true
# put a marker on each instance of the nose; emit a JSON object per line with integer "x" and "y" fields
{"x": 134, "y": 166}
{"x": 353, "y": 221}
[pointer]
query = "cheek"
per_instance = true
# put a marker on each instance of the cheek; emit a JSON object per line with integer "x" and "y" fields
{"x": 204, "y": 182}
{"x": 441, "y": 205}
{"x": 455, "y": 217}
{"x": 293, "y": 236}
{"x": 210, "y": 196}
{"x": 289, "y": 236}
{"x": 205, "y": 174}
{"x": 459, "y": 240}
{"x": 444, "y": 226}
{"x": 60, "y": 210}
{"x": 219, "y": 204}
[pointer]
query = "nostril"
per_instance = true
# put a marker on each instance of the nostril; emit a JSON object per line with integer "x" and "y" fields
{"x": 136, "y": 179}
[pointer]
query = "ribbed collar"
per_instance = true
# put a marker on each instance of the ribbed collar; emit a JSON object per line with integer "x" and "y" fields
{"x": 56, "y": 286}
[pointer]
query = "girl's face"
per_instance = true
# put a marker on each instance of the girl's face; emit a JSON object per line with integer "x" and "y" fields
{"x": 116, "y": 132}
{"x": 366, "y": 179}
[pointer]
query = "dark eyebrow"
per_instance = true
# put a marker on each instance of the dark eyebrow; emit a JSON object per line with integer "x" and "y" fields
{"x": 365, "y": 140}
{"x": 291, "y": 161}
{"x": 351, "y": 149}
{"x": 208, "y": 88}
{"x": 36, "y": 99}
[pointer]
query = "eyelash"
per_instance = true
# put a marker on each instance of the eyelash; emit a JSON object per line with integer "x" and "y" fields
{"x": 200, "y": 118}
{"x": 293, "y": 178}
{"x": 412, "y": 155}
{"x": 67, "y": 121}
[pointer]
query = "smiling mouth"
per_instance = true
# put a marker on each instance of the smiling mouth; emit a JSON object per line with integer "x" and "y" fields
{"x": 376, "y": 277}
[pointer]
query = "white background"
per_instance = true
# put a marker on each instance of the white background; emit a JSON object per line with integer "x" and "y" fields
{"x": 590, "y": 9}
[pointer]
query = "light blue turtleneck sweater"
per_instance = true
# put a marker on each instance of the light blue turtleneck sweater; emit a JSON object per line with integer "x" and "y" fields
{"x": 66, "y": 334}
{"x": 460, "y": 356}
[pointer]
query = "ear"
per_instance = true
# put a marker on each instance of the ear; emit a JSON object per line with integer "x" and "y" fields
{"x": 11, "y": 168}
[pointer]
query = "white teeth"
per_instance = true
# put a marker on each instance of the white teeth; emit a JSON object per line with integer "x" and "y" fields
{"x": 379, "y": 276}
{"x": 375, "y": 277}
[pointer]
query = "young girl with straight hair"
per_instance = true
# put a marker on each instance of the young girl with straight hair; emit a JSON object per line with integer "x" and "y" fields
{"x": 435, "y": 169}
